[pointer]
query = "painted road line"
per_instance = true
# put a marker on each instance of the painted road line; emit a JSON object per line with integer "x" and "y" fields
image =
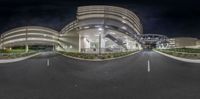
{"x": 47, "y": 62}
{"x": 148, "y": 67}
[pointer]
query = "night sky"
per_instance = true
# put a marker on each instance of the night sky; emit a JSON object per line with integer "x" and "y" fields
{"x": 169, "y": 17}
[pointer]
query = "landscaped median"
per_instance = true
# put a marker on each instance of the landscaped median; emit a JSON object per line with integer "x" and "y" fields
{"x": 7, "y": 56}
{"x": 182, "y": 54}
{"x": 97, "y": 57}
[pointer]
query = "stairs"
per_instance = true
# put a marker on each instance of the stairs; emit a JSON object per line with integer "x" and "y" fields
{"x": 117, "y": 41}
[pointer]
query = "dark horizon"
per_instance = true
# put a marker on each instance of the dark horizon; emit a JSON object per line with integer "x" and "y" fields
{"x": 172, "y": 18}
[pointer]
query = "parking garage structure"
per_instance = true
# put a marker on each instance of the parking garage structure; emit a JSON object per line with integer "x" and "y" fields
{"x": 96, "y": 29}
{"x": 103, "y": 29}
{"x": 30, "y": 36}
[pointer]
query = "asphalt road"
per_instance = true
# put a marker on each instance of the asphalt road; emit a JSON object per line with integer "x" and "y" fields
{"x": 57, "y": 77}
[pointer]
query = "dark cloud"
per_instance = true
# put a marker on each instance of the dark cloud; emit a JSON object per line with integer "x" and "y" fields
{"x": 169, "y": 17}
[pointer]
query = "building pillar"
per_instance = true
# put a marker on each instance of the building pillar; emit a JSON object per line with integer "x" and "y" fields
{"x": 26, "y": 48}
{"x": 103, "y": 43}
{"x": 99, "y": 44}
{"x": 80, "y": 41}
{"x": 54, "y": 47}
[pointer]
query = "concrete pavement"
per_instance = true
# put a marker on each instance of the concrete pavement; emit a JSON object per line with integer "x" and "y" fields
{"x": 180, "y": 58}
{"x": 17, "y": 59}
{"x": 58, "y": 77}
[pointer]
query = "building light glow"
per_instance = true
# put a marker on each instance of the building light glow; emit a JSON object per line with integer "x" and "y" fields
{"x": 100, "y": 29}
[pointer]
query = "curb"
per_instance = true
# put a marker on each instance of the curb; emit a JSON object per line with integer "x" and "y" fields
{"x": 18, "y": 59}
{"x": 98, "y": 60}
{"x": 179, "y": 58}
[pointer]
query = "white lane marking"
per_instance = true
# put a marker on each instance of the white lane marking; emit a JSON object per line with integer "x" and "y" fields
{"x": 148, "y": 67}
{"x": 47, "y": 62}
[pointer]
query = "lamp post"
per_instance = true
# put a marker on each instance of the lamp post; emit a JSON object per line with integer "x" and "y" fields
{"x": 100, "y": 31}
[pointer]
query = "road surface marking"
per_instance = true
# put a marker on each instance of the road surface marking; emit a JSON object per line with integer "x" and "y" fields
{"x": 47, "y": 62}
{"x": 148, "y": 67}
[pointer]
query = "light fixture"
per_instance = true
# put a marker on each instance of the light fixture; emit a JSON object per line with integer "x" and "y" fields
{"x": 125, "y": 37}
{"x": 100, "y": 29}
{"x": 106, "y": 26}
{"x": 86, "y": 27}
{"x": 123, "y": 21}
{"x": 97, "y": 26}
{"x": 112, "y": 32}
{"x": 123, "y": 17}
{"x": 123, "y": 27}
{"x": 70, "y": 46}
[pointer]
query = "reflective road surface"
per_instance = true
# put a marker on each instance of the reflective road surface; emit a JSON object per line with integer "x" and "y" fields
{"x": 145, "y": 75}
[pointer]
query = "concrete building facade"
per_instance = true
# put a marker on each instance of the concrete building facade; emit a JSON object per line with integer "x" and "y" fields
{"x": 183, "y": 42}
{"x": 97, "y": 29}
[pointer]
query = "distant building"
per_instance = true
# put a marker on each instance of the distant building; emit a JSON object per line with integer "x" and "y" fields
{"x": 183, "y": 42}
{"x": 198, "y": 43}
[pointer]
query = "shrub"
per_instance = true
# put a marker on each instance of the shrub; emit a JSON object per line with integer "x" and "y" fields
{"x": 96, "y": 56}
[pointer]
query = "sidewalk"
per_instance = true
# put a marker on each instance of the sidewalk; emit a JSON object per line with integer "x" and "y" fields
{"x": 179, "y": 58}
{"x": 17, "y": 59}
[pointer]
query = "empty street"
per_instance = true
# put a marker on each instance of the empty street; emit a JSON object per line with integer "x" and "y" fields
{"x": 145, "y": 75}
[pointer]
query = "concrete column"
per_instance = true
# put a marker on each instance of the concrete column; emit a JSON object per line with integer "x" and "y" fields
{"x": 103, "y": 45}
{"x": 26, "y": 48}
{"x": 100, "y": 44}
{"x": 54, "y": 47}
{"x": 80, "y": 40}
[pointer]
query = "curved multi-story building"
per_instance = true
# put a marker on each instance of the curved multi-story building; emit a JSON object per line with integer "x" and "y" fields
{"x": 29, "y": 35}
{"x": 107, "y": 29}
{"x": 111, "y": 17}
{"x": 97, "y": 29}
